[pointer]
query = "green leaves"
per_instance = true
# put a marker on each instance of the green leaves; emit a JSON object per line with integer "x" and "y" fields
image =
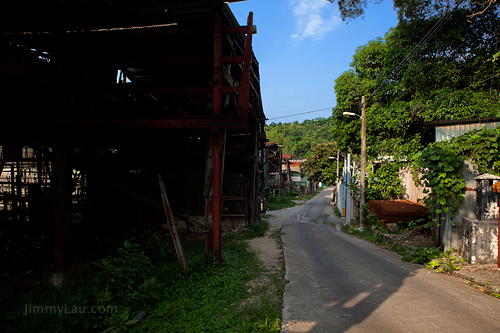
{"x": 298, "y": 139}
{"x": 385, "y": 182}
{"x": 319, "y": 167}
{"x": 441, "y": 171}
{"x": 450, "y": 77}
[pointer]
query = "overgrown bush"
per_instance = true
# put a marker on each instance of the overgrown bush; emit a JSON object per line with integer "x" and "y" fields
{"x": 422, "y": 255}
{"x": 448, "y": 263}
{"x": 203, "y": 299}
{"x": 385, "y": 183}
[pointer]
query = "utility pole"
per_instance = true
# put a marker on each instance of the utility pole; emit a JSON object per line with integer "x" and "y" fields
{"x": 338, "y": 157}
{"x": 363, "y": 161}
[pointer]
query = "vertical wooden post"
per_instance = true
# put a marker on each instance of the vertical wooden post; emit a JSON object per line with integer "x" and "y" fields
{"x": 216, "y": 136}
{"x": 254, "y": 183}
{"x": 363, "y": 161}
{"x": 244, "y": 93}
{"x": 62, "y": 202}
{"x": 217, "y": 79}
{"x": 217, "y": 196}
{"x": 61, "y": 168}
{"x": 209, "y": 171}
{"x": 173, "y": 228}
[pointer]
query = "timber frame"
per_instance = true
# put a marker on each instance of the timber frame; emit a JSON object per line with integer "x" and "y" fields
{"x": 104, "y": 95}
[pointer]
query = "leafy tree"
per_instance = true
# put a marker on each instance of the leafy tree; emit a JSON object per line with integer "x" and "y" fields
{"x": 449, "y": 77}
{"x": 319, "y": 167}
{"x": 412, "y": 9}
{"x": 298, "y": 138}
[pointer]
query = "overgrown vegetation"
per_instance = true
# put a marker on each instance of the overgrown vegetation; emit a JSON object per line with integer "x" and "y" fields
{"x": 422, "y": 255}
{"x": 452, "y": 76}
{"x": 298, "y": 138}
{"x": 135, "y": 279}
{"x": 417, "y": 255}
{"x": 448, "y": 263}
{"x": 441, "y": 166}
{"x": 337, "y": 211}
{"x": 274, "y": 202}
{"x": 321, "y": 166}
{"x": 384, "y": 183}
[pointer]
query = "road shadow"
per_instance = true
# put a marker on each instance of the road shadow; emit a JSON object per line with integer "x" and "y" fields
{"x": 336, "y": 280}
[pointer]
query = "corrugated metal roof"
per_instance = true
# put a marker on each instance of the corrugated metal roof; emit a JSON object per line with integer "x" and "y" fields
{"x": 486, "y": 176}
{"x": 452, "y": 131}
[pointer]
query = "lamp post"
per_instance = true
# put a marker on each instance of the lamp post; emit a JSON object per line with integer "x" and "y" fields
{"x": 363, "y": 157}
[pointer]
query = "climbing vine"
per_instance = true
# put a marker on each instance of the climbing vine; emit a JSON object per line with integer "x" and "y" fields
{"x": 481, "y": 147}
{"x": 384, "y": 183}
{"x": 440, "y": 166}
{"x": 441, "y": 172}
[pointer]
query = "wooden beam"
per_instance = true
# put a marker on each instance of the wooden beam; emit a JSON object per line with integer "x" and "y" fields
{"x": 153, "y": 61}
{"x": 232, "y": 59}
{"x": 240, "y": 29}
{"x": 131, "y": 88}
{"x": 131, "y": 123}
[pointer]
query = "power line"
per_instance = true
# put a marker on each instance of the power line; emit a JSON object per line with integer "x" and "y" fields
{"x": 437, "y": 26}
{"x": 298, "y": 114}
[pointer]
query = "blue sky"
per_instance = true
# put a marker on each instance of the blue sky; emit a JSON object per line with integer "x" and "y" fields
{"x": 302, "y": 46}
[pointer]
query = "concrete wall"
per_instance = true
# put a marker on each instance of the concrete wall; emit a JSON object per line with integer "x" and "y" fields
{"x": 480, "y": 241}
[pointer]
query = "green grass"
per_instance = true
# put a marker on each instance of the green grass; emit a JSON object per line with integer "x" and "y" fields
{"x": 275, "y": 203}
{"x": 202, "y": 299}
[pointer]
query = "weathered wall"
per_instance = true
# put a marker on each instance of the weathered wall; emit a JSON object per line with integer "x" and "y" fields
{"x": 480, "y": 241}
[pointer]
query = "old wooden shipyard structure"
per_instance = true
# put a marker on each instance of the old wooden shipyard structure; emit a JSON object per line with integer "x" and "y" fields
{"x": 101, "y": 97}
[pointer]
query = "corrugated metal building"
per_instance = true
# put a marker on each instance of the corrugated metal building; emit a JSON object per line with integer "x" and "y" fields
{"x": 450, "y": 233}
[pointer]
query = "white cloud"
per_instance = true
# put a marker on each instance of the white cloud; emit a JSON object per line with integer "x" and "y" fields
{"x": 314, "y": 18}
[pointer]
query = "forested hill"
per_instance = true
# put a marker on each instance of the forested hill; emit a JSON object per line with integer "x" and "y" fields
{"x": 299, "y": 138}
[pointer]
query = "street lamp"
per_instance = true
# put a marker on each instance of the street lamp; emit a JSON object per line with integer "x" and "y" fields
{"x": 363, "y": 157}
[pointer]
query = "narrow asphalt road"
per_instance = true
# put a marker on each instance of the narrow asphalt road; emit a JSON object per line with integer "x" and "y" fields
{"x": 340, "y": 283}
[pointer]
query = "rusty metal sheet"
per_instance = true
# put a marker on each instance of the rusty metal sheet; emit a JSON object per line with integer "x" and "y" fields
{"x": 396, "y": 211}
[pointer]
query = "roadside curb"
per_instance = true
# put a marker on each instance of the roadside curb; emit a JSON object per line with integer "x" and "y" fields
{"x": 486, "y": 275}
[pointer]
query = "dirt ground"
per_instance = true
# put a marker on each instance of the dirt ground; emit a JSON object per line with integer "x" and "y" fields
{"x": 268, "y": 250}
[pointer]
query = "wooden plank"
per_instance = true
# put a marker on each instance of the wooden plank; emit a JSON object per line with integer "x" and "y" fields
{"x": 173, "y": 228}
